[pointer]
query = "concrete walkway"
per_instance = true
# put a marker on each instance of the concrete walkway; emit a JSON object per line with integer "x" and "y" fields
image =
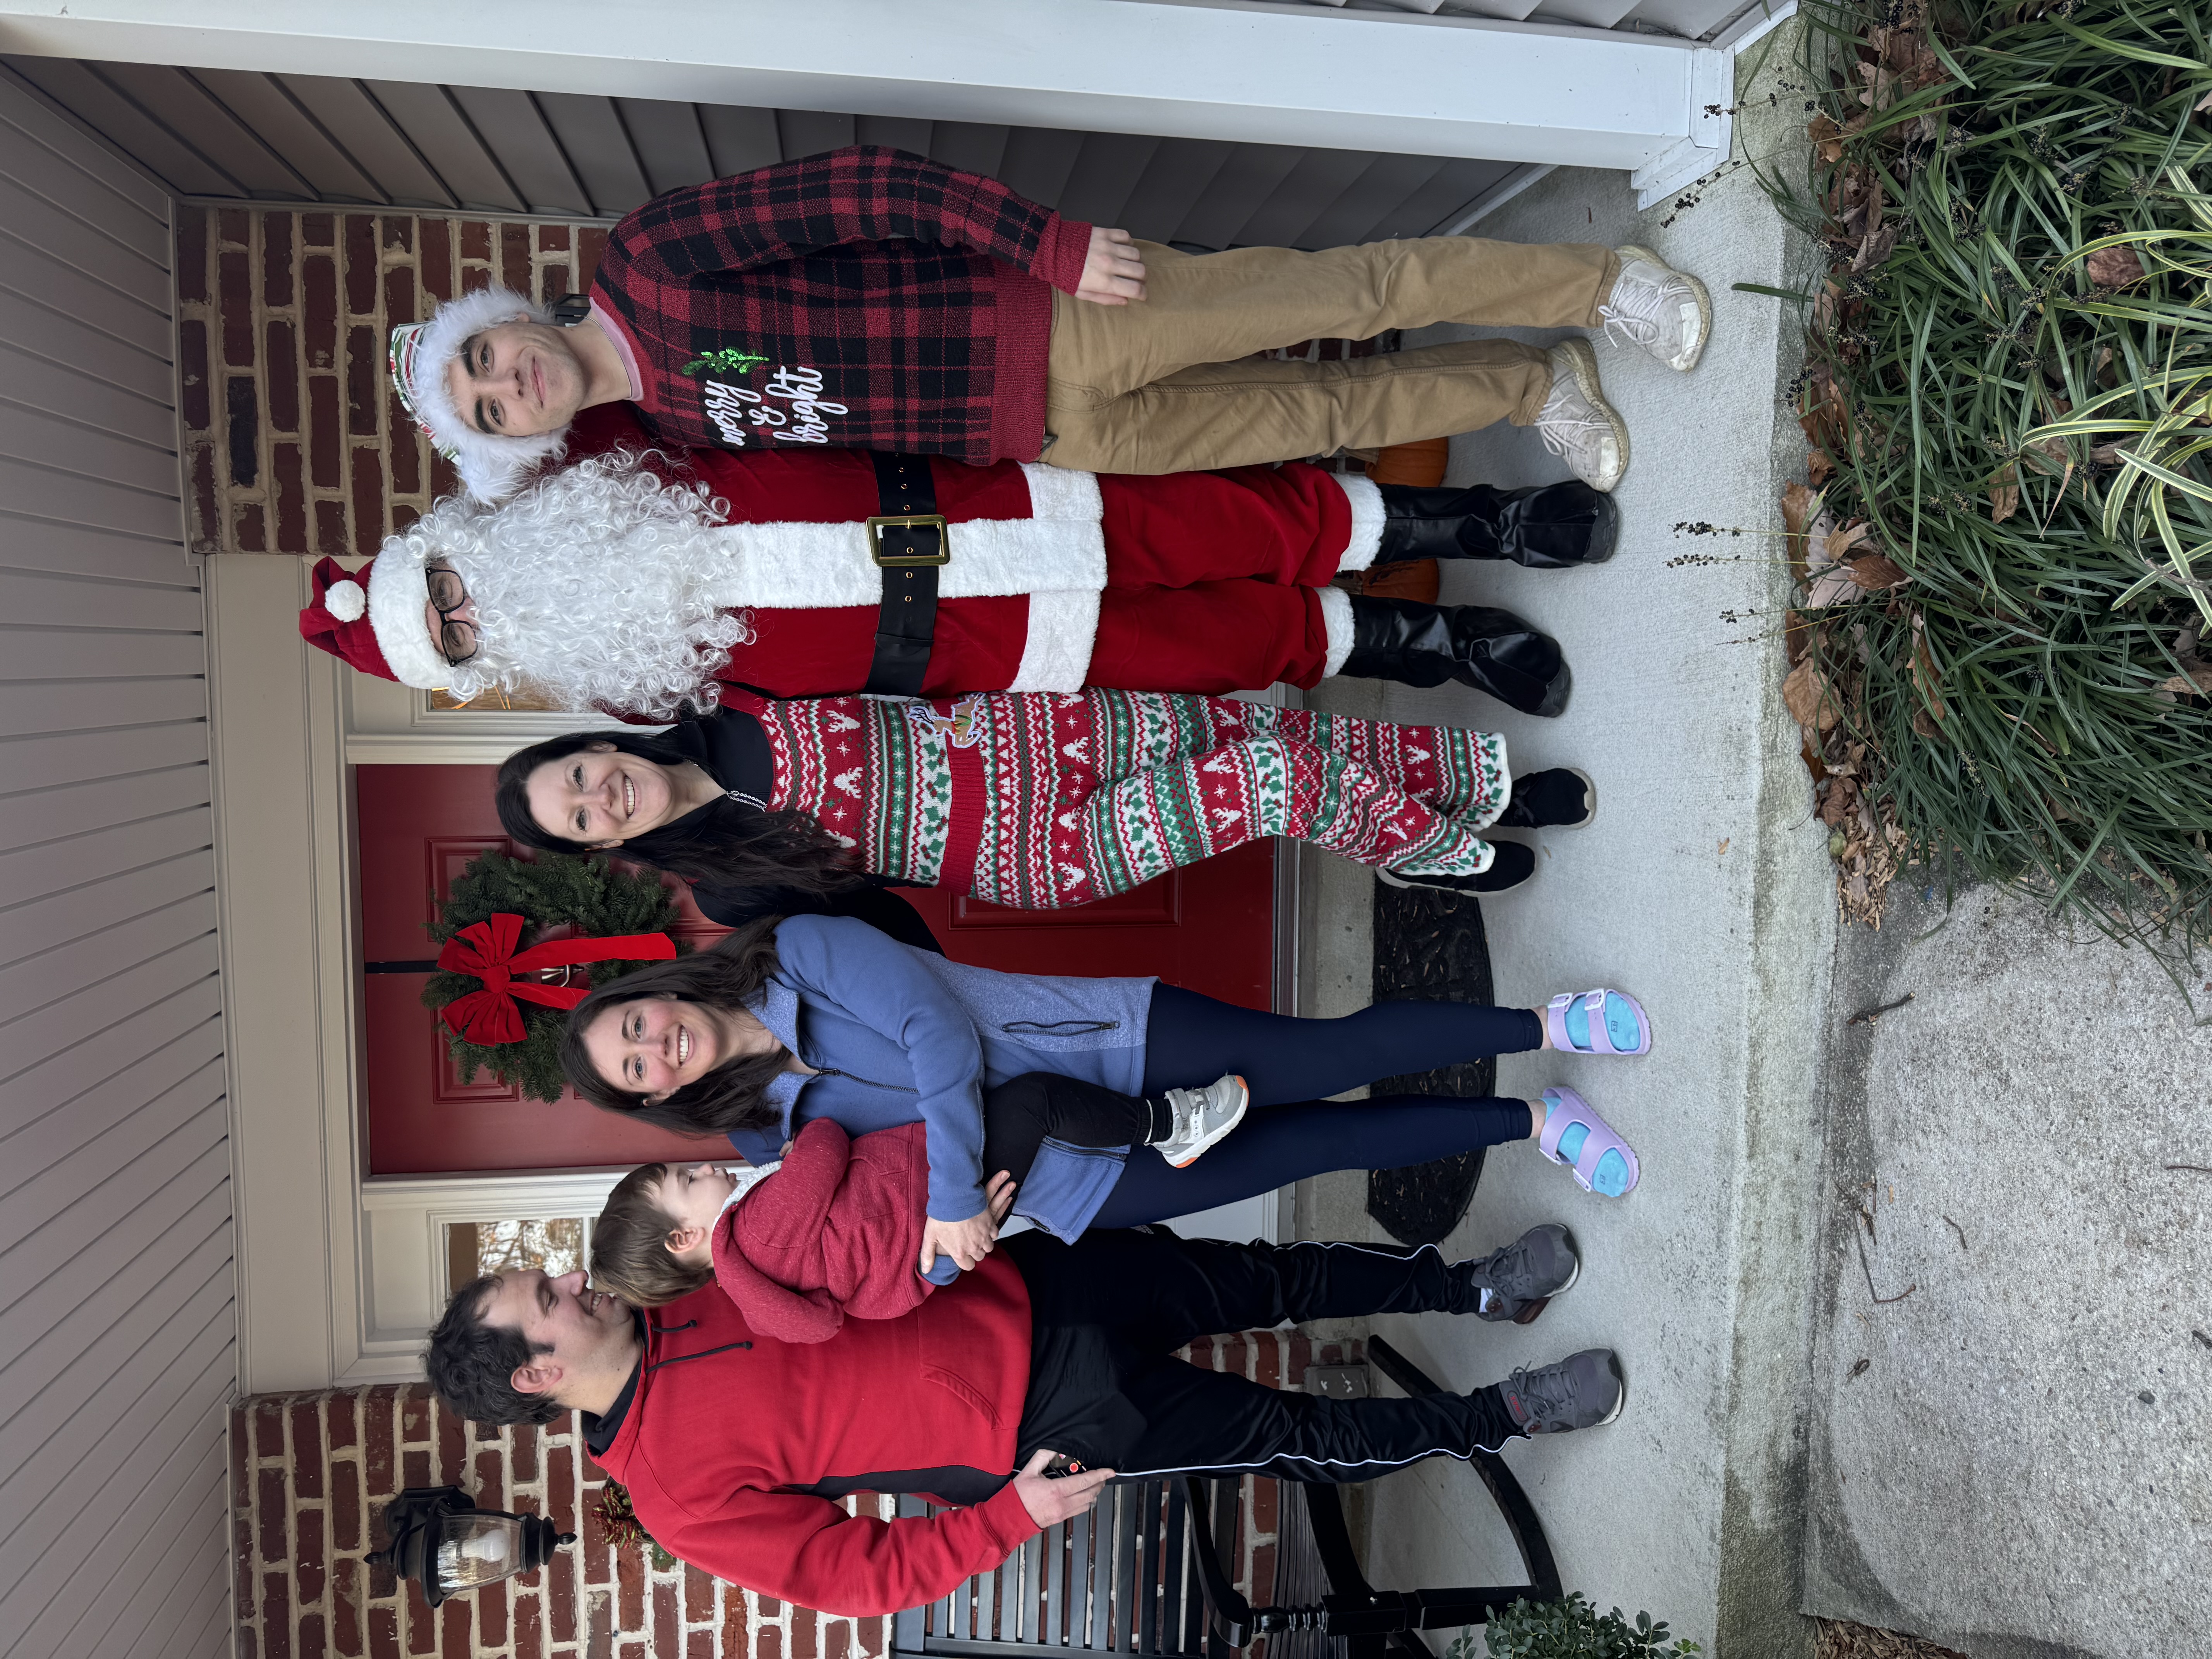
{"x": 1702, "y": 888}
{"x": 2009, "y": 1452}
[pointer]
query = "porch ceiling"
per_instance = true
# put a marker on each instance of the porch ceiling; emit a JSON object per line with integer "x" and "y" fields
{"x": 247, "y": 135}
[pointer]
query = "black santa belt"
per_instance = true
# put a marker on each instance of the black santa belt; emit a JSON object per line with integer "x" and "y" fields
{"x": 908, "y": 542}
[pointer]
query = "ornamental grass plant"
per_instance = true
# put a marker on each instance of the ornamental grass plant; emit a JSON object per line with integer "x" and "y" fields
{"x": 2003, "y": 543}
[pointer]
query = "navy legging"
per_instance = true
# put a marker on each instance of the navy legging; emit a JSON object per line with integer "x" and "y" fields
{"x": 1289, "y": 1135}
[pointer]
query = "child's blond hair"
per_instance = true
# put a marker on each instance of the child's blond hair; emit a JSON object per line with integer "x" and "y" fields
{"x": 629, "y": 1245}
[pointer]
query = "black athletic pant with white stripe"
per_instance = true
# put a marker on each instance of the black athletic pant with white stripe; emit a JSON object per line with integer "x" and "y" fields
{"x": 1109, "y": 1311}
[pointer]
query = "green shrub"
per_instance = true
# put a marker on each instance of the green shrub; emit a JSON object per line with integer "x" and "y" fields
{"x": 2007, "y": 404}
{"x": 1571, "y": 1629}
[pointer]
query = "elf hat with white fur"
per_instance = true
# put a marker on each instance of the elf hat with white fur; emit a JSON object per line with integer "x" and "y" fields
{"x": 490, "y": 467}
{"x": 381, "y": 631}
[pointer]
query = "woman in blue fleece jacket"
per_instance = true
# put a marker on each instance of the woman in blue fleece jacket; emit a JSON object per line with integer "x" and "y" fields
{"x": 809, "y": 1016}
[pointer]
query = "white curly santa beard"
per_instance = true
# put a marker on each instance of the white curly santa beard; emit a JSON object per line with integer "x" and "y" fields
{"x": 589, "y": 591}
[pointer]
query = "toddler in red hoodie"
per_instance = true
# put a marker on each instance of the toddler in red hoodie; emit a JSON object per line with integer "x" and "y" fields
{"x": 835, "y": 1227}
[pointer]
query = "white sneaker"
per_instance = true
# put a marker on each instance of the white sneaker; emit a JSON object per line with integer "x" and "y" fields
{"x": 1202, "y": 1116}
{"x": 1665, "y": 311}
{"x": 1577, "y": 424}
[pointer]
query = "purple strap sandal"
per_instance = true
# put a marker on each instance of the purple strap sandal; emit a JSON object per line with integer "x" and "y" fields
{"x": 1575, "y": 1135}
{"x": 1598, "y": 1022}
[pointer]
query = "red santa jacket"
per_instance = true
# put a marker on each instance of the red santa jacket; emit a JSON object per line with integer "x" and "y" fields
{"x": 735, "y": 1445}
{"x": 836, "y": 1231}
{"x": 1018, "y": 604}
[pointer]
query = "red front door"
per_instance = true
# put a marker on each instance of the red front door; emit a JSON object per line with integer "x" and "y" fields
{"x": 1210, "y": 928}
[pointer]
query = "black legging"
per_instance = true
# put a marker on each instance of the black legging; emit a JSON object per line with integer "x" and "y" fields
{"x": 1019, "y": 1113}
{"x": 1289, "y": 1135}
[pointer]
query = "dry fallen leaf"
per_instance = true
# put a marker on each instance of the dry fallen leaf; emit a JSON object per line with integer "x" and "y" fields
{"x": 1810, "y": 699}
{"x": 2004, "y": 493}
{"x": 2203, "y": 104}
{"x": 1873, "y": 572}
{"x": 1837, "y": 803}
{"x": 1882, "y": 86}
{"x": 2115, "y": 267}
{"x": 1832, "y": 586}
{"x": 1841, "y": 544}
{"x": 1820, "y": 467}
{"x": 1878, "y": 246}
{"x": 1799, "y": 504}
{"x": 1829, "y": 136}
{"x": 1926, "y": 678}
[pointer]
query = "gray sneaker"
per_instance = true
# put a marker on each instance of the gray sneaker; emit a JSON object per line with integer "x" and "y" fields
{"x": 1522, "y": 1277}
{"x": 1202, "y": 1117}
{"x": 1582, "y": 1391}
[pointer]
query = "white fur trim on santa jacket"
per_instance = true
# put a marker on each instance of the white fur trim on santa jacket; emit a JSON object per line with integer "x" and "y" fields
{"x": 1057, "y": 556}
{"x": 807, "y": 567}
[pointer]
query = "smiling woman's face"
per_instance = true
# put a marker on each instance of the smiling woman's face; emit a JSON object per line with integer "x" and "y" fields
{"x": 601, "y": 796}
{"x": 654, "y": 1046}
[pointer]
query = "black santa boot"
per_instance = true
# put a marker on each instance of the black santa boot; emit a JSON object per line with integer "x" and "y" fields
{"x": 1546, "y": 527}
{"x": 1492, "y": 651}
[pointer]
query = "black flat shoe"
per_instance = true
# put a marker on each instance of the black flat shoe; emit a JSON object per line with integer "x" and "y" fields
{"x": 1563, "y": 798}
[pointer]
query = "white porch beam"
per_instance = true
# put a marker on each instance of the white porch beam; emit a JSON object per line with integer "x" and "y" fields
{"x": 1254, "y": 73}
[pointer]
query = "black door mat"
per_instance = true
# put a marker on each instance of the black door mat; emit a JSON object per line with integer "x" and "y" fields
{"x": 1430, "y": 947}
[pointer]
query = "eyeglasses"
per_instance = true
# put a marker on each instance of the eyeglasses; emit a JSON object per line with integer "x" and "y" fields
{"x": 457, "y": 640}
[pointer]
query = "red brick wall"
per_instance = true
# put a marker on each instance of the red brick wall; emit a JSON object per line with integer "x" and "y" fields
{"x": 295, "y": 442}
{"x": 310, "y": 1475}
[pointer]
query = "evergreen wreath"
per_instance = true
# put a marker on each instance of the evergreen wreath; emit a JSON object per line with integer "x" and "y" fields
{"x": 598, "y": 897}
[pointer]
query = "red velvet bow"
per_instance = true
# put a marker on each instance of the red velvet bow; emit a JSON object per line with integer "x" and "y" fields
{"x": 487, "y": 950}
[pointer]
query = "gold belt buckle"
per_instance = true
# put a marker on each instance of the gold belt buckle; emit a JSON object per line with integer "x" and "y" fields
{"x": 910, "y": 521}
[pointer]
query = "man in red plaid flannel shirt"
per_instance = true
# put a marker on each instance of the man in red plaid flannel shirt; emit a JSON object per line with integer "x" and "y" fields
{"x": 873, "y": 300}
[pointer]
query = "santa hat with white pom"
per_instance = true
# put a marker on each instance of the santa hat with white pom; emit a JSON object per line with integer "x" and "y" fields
{"x": 491, "y": 466}
{"x": 380, "y": 631}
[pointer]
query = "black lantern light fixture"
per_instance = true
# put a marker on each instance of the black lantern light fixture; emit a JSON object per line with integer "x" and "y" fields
{"x": 445, "y": 1543}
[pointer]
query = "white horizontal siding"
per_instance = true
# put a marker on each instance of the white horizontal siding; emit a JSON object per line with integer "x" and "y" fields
{"x": 118, "y": 1329}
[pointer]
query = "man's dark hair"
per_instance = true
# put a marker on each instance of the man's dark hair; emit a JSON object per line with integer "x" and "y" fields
{"x": 471, "y": 1364}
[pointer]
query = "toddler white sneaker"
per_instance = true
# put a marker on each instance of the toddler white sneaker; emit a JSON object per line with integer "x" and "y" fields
{"x": 1202, "y": 1117}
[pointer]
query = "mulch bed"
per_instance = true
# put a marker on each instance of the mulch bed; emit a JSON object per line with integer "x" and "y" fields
{"x": 1840, "y": 1639}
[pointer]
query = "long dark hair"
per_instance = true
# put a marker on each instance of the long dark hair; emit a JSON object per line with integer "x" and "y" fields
{"x": 731, "y": 974}
{"x": 721, "y": 845}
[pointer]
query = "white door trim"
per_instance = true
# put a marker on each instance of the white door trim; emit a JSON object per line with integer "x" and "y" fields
{"x": 1384, "y": 81}
{"x": 339, "y": 1273}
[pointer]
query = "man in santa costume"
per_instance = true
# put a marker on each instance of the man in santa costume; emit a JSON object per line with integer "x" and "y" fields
{"x": 874, "y": 300}
{"x": 634, "y": 580}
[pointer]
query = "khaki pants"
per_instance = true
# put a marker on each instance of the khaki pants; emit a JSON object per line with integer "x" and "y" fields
{"x": 1153, "y": 385}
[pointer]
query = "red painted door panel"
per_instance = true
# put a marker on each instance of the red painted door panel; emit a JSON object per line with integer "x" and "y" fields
{"x": 1210, "y": 928}
{"x": 419, "y": 826}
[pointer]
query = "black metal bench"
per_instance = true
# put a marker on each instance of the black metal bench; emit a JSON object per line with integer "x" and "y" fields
{"x": 1145, "y": 1573}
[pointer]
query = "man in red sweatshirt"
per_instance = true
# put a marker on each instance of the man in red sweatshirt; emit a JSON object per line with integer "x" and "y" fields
{"x": 874, "y": 300}
{"x": 1014, "y": 1394}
